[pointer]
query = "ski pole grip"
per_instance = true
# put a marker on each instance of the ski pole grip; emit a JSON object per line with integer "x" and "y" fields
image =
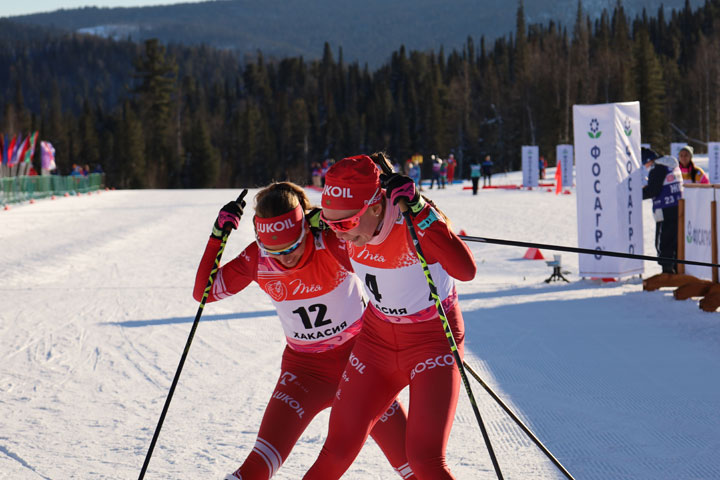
{"x": 387, "y": 170}
{"x": 241, "y": 202}
{"x": 403, "y": 205}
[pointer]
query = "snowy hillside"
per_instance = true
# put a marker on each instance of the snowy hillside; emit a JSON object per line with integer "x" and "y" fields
{"x": 96, "y": 306}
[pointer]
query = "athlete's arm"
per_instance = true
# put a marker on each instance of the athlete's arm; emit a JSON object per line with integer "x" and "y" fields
{"x": 441, "y": 245}
{"x": 231, "y": 277}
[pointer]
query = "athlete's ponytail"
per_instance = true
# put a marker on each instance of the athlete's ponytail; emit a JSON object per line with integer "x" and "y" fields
{"x": 279, "y": 198}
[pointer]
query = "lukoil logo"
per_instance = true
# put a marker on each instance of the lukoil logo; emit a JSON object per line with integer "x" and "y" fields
{"x": 287, "y": 377}
{"x": 439, "y": 361}
{"x": 337, "y": 192}
{"x": 274, "y": 227}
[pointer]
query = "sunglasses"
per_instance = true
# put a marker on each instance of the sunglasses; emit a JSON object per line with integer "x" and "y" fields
{"x": 347, "y": 224}
{"x": 286, "y": 251}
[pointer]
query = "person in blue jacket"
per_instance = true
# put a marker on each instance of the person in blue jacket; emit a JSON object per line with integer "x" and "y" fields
{"x": 665, "y": 187}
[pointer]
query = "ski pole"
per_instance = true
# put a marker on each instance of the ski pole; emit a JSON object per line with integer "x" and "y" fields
{"x": 589, "y": 251}
{"x": 211, "y": 279}
{"x": 518, "y": 421}
{"x": 386, "y": 168}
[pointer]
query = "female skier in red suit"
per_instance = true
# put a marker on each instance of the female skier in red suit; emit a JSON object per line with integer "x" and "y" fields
{"x": 319, "y": 302}
{"x": 402, "y": 341}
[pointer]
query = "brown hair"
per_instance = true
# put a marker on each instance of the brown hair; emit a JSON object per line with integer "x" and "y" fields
{"x": 279, "y": 198}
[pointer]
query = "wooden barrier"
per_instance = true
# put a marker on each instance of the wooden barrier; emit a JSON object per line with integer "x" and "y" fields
{"x": 689, "y": 286}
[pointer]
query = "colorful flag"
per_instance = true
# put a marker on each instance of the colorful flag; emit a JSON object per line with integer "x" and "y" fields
{"x": 558, "y": 178}
{"x": 12, "y": 151}
{"x": 22, "y": 149}
{"x": 31, "y": 147}
{"x": 47, "y": 156}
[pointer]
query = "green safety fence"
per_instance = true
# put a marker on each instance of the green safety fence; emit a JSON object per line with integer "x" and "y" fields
{"x": 26, "y": 188}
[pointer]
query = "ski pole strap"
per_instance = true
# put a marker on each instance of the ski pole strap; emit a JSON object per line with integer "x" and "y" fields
{"x": 428, "y": 220}
{"x": 587, "y": 251}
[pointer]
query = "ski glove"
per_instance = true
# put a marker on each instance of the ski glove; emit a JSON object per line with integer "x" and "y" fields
{"x": 228, "y": 218}
{"x": 401, "y": 187}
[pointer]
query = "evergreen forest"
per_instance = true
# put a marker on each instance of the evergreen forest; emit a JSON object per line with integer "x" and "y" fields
{"x": 170, "y": 116}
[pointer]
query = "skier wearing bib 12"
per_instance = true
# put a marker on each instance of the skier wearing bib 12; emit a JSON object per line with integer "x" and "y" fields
{"x": 319, "y": 302}
{"x": 402, "y": 341}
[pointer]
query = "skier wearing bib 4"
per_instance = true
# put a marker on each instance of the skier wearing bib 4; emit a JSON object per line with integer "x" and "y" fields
{"x": 402, "y": 341}
{"x": 319, "y": 302}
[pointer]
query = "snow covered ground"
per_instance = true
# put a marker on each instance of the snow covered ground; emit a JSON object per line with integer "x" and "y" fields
{"x": 96, "y": 306}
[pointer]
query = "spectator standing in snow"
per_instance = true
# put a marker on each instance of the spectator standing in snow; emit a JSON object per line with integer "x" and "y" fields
{"x": 401, "y": 327}
{"x": 319, "y": 302}
{"x": 665, "y": 187}
{"x": 414, "y": 173}
{"x": 690, "y": 172}
{"x": 451, "y": 164}
{"x": 316, "y": 174}
{"x": 475, "y": 175}
{"x": 486, "y": 170}
{"x": 443, "y": 173}
{"x": 435, "y": 163}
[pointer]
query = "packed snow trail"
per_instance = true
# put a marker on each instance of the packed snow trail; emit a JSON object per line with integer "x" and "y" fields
{"x": 96, "y": 306}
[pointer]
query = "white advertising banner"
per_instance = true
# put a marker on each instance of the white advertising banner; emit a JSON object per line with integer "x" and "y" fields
{"x": 714, "y": 162}
{"x": 530, "y": 165}
{"x": 608, "y": 179}
{"x": 567, "y": 165}
{"x": 698, "y": 230}
{"x": 675, "y": 148}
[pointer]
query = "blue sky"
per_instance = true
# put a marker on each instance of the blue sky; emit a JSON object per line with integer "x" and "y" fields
{"x": 22, "y": 7}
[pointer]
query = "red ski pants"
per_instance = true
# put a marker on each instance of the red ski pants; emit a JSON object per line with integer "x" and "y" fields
{"x": 385, "y": 359}
{"x": 306, "y": 386}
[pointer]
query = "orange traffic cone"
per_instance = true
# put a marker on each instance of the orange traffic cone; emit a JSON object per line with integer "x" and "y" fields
{"x": 533, "y": 254}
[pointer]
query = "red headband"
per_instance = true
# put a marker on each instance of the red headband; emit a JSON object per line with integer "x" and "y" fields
{"x": 282, "y": 229}
{"x": 351, "y": 183}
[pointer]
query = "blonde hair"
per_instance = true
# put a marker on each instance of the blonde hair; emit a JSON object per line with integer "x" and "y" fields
{"x": 279, "y": 198}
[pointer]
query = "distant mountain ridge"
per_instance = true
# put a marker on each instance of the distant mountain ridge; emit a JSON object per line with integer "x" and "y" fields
{"x": 367, "y": 31}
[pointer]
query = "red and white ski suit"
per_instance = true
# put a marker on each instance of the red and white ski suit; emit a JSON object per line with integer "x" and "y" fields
{"x": 319, "y": 303}
{"x": 402, "y": 343}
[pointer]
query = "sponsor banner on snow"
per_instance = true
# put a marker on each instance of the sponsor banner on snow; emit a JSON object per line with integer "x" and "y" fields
{"x": 714, "y": 162}
{"x": 698, "y": 229}
{"x": 608, "y": 178}
{"x": 530, "y": 165}
{"x": 567, "y": 165}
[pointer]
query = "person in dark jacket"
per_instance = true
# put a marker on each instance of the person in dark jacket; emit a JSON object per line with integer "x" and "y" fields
{"x": 665, "y": 187}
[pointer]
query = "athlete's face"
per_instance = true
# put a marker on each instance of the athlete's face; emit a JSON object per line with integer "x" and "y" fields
{"x": 293, "y": 255}
{"x": 365, "y": 229}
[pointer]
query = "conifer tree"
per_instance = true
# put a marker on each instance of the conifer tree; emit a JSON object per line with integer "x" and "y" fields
{"x": 156, "y": 73}
{"x": 651, "y": 91}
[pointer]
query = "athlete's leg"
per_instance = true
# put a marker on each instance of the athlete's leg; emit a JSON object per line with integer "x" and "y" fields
{"x": 389, "y": 434}
{"x": 433, "y": 399}
{"x": 302, "y": 391}
{"x": 363, "y": 394}
{"x": 434, "y": 391}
